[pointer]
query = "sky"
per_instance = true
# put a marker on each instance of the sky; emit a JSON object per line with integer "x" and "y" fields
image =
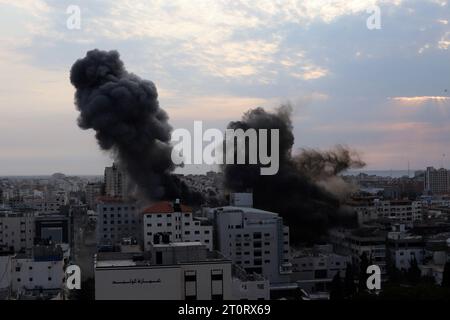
{"x": 383, "y": 92}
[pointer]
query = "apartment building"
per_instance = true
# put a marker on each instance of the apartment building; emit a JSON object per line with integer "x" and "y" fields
{"x": 437, "y": 181}
{"x": 402, "y": 248}
{"x": 17, "y": 231}
{"x": 254, "y": 239}
{"x": 93, "y": 191}
{"x": 117, "y": 219}
{"x": 39, "y": 275}
{"x": 353, "y": 243}
{"x": 401, "y": 210}
{"x": 176, "y": 221}
{"x": 116, "y": 182}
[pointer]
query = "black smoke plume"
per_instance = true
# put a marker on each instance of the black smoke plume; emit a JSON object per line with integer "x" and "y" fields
{"x": 123, "y": 110}
{"x": 294, "y": 192}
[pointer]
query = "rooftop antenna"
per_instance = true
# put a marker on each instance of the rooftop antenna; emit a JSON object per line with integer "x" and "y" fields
{"x": 442, "y": 160}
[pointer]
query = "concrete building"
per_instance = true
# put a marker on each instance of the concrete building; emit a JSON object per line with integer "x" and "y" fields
{"x": 93, "y": 191}
{"x": 354, "y": 243}
{"x": 117, "y": 219}
{"x": 39, "y": 275}
{"x": 168, "y": 271}
{"x": 402, "y": 248}
{"x": 116, "y": 182}
{"x": 437, "y": 254}
{"x": 401, "y": 210}
{"x": 177, "y": 222}
{"x": 54, "y": 228}
{"x": 17, "y": 231}
{"x": 313, "y": 269}
{"x": 249, "y": 286}
{"x": 437, "y": 181}
{"x": 48, "y": 203}
{"x": 255, "y": 239}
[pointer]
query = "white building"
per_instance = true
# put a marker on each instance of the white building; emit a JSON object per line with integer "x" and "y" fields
{"x": 354, "y": 243}
{"x": 403, "y": 248}
{"x": 401, "y": 210}
{"x": 17, "y": 231}
{"x": 173, "y": 271}
{"x": 117, "y": 219}
{"x": 254, "y": 239}
{"x": 39, "y": 275}
{"x": 177, "y": 222}
{"x": 50, "y": 202}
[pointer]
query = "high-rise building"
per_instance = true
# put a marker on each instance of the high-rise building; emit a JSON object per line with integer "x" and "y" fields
{"x": 116, "y": 182}
{"x": 254, "y": 239}
{"x": 437, "y": 181}
{"x": 93, "y": 191}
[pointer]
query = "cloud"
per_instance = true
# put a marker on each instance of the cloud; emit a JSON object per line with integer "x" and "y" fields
{"x": 420, "y": 99}
{"x": 444, "y": 43}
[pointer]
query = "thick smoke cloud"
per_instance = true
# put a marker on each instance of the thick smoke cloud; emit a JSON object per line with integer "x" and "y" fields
{"x": 124, "y": 111}
{"x": 297, "y": 192}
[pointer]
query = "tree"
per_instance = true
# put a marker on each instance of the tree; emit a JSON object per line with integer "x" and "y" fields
{"x": 336, "y": 289}
{"x": 446, "y": 276}
{"x": 349, "y": 281}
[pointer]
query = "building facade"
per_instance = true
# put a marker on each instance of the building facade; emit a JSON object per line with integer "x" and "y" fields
{"x": 168, "y": 271}
{"x": 177, "y": 222}
{"x": 116, "y": 220}
{"x": 254, "y": 239}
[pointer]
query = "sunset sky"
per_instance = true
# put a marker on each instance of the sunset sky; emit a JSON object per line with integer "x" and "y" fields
{"x": 382, "y": 92}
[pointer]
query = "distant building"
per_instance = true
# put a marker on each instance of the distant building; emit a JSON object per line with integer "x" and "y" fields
{"x": 175, "y": 221}
{"x": 313, "y": 269}
{"x": 53, "y": 228}
{"x": 437, "y": 254}
{"x": 354, "y": 243}
{"x": 49, "y": 203}
{"x": 117, "y": 219}
{"x": 93, "y": 191}
{"x": 402, "y": 210}
{"x": 17, "y": 231}
{"x": 116, "y": 182}
{"x": 437, "y": 181}
{"x": 403, "y": 248}
{"x": 254, "y": 239}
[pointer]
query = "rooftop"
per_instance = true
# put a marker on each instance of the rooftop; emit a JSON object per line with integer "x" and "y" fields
{"x": 166, "y": 207}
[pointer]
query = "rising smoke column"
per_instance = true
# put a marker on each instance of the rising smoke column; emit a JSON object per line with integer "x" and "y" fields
{"x": 294, "y": 192}
{"x": 124, "y": 111}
